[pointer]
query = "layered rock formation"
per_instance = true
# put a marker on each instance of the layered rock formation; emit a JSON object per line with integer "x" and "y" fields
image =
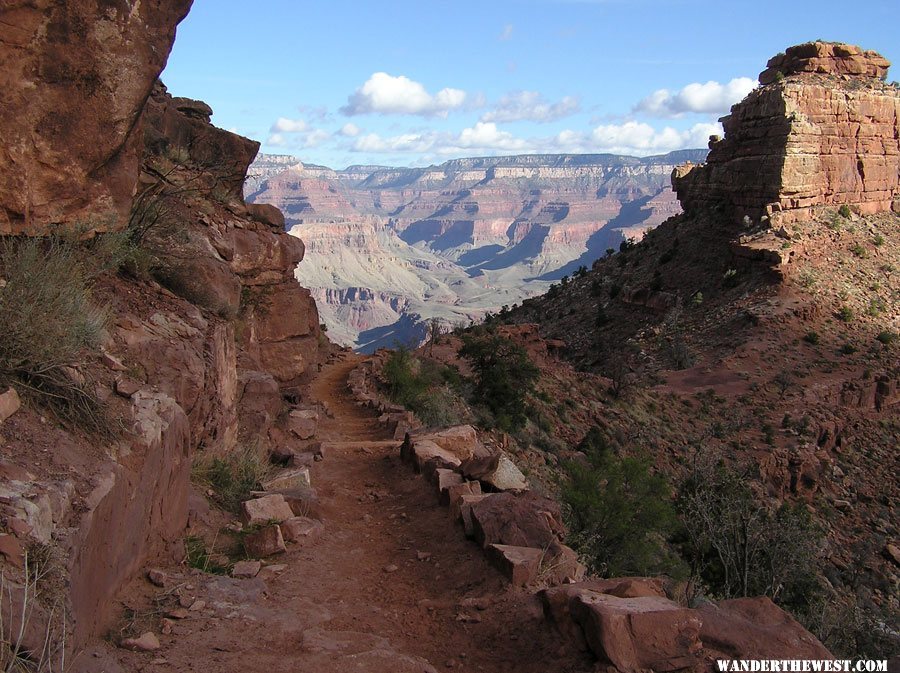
{"x": 823, "y": 130}
{"x": 456, "y": 240}
{"x": 208, "y": 332}
{"x": 74, "y": 77}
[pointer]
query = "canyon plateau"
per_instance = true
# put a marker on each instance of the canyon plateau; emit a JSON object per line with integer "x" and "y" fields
{"x": 388, "y": 250}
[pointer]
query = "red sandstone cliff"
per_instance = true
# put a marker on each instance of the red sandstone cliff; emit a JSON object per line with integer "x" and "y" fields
{"x": 822, "y": 130}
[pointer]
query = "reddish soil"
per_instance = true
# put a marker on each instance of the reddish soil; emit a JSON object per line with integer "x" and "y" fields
{"x": 339, "y": 605}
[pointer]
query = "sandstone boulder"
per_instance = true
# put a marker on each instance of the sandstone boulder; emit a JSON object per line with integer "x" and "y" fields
{"x": 301, "y": 529}
{"x": 246, "y": 569}
{"x": 522, "y": 520}
{"x": 555, "y": 600}
{"x": 264, "y": 542}
{"x": 146, "y": 642}
{"x": 638, "y": 633}
{"x": 9, "y": 403}
{"x": 303, "y": 423}
{"x": 445, "y": 480}
{"x": 297, "y": 478}
{"x": 756, "y": 628}
{"x": 265, "y": 509}
{"x": 520, "y": 565}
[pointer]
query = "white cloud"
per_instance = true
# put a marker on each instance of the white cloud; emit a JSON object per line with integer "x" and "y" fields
{"x": 506, "y": 33}
{"x": 285, "y": 125}
{"x": 530, "y": 106}
{"x": 349, "y": 130}
{"x": 709, "y": 98}
{"x": 486, "y": 136}
{"x": 631, "y": 138}
{"x": 296, "y": 134}
{"x": 385, "y": 94}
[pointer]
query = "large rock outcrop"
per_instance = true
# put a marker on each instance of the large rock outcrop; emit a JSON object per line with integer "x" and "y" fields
{"x": 822, "y": 130}
{"x": 74, "y": 77}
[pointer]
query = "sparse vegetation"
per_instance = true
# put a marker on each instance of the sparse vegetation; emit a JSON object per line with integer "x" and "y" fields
{"x": 887, "y": 337}
{"x": 49, "y": 321}
{"x": 231, "y": 478}
{"x": 844, "y": 211}
{"x": 737, "y": 546}
{"x": 504, "y": 376}
{"x": 811, "y": 338}
{"x": 424, "y": 388}
{"x": 845, "y": 314}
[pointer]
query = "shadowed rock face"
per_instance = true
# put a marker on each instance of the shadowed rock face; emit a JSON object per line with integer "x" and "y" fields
{"x": 823, "y": 130}
{"x": 74, "y": 77}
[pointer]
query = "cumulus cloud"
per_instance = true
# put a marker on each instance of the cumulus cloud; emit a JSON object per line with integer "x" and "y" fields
{"x": 631, "y": 138}
{"x": 709, "y": 98}
{"x": 285, "y": 125}
{"x": 349, "y": 130}
{"x": 385, "y": 94}
{"x": 530, "y": 106}
{"x": 296, "y": 134}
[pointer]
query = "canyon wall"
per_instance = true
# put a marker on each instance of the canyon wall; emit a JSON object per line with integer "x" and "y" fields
{"x": 74, "y": 77}
{"x": 388, "y": 249}
{"x": 209, "y": 332}
{"x": 822, "y": 130}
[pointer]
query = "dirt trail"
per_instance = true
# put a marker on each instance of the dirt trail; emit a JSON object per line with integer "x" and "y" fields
{"x": 360, "y": 598}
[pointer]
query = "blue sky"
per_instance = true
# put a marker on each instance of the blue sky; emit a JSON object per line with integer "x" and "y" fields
{"x": 403, "y": 83}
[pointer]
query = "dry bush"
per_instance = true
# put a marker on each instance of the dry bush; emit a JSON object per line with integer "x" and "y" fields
{"x": 49, "y": 321}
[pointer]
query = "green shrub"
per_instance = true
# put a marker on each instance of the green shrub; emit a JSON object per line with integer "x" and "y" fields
{"x": 844, "y": 211}
{"x": 730, "y": 278}
{"x": 504, "y": 376}
{"x": 811, "y": 338}
{"x": 878, "y": 240}
{"x": 197, "y": 555}
{"x": 845, "y": 314}
{"x": 49, "y": 320}
{"x": 618, "y": 513}
{"x": 233, "y": 477}
{"x": 887, "y": 337}
{"x": 847, "y": 349}
{"x": 424, "y": 388}
{"x": 859, "y": 251}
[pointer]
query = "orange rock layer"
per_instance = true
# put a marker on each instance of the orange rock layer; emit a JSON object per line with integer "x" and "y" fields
{"x": 824, "y": 133}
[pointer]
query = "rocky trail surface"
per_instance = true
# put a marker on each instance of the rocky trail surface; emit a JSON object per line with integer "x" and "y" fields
{"x": 391, "y": 584}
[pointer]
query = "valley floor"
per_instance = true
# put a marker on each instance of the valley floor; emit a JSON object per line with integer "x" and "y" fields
{"x": 392, "y": 585}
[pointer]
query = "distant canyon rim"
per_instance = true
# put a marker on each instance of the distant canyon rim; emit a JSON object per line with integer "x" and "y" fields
{"x": 388, "y": 250}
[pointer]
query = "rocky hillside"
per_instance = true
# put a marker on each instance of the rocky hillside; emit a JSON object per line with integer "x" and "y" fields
{"x": 761, "y": 326}
{"x": 390, "y": 248}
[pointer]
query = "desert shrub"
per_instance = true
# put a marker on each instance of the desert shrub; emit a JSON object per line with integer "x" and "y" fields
{"x": 424, "y": 388}
{"x": 887, "y": 337}
{"x": 847, "y": 349}
{"x": 845, "y": 314}
{"x": 738, "y": 546}
{"x": 859, "y": 251}
{"x": 49, "y": 320}
{"x": 504, "y": 376}
{"x": 232, "y": 477}
{"x": 878, "y": 240}
{"x": 730, "y": 278}
{"x": 618, "y": 513}
{"x": 811, "y": 338}
{"x": 844, "y": 211}
{"x": 198, "y": 555}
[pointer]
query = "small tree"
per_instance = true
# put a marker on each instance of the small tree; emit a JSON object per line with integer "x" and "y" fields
{"x": 617, "y": 511}
{"x": 504, "y": 375}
